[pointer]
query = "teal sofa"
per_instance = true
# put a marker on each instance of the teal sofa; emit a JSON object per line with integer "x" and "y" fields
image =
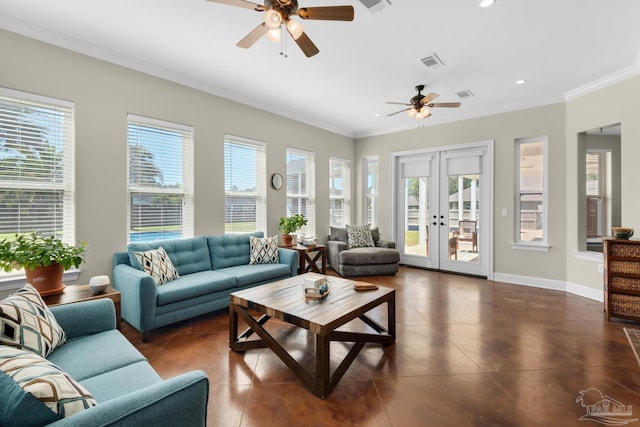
{"x": 210, "y": 268}
{"x": 127, "y": 389}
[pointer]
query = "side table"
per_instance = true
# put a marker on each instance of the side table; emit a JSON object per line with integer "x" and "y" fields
{"x": 78, "y": 293}
{"x": 305, "y": 262}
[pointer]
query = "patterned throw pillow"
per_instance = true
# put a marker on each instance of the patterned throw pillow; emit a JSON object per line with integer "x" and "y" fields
{"x": 359, "y": 236}
{"x": 158, "y": 265}
{"x": 263, "y": 250}
{"x": 45, "y": 381}
{"x": 26, "y": 322}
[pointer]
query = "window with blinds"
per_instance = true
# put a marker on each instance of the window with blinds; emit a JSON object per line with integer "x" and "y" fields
{"x": 36, "y": 166}
{"x": 160, "y": 180}
{"x": 301, "y": 187}
{"x": 245, "y": 185}
{"x": 339, "y": 192}
{"x": 371, "y": 190}
{"x": 531, "y": 191}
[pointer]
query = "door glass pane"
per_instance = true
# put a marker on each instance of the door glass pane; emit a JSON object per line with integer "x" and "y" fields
{"x": 464, "y": 218}
{"x": 416, "y": 232}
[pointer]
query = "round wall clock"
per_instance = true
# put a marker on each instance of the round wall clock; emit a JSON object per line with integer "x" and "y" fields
{"x": 276, "y": 181}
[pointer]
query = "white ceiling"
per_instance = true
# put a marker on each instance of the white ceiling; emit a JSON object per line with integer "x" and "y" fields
{"x": 561, "y": 47}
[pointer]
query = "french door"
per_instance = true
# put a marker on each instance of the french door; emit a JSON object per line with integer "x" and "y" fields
{"x": 443, "y": 209}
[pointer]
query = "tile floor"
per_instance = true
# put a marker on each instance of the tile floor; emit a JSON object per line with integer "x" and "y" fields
{"x": 469, "y": 352}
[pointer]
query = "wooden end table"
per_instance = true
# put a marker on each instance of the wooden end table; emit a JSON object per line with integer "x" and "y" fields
{"x": 78, "y": 293}
{"x": 284, "y": 300}
{"x": 307, "y": 264}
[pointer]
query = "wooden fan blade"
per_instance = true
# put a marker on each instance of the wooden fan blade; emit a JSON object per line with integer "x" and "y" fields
{"x": 398, "y": 112}
{"x": 429, "y": 98}
{"x": 444, "y": 104}
{"x": 328, "y": 13}
{"x": 397, "y": 103}
{"x": 306, "y": 45}
{"x": 253, "y": 36}
{"x": 241, "y": 3}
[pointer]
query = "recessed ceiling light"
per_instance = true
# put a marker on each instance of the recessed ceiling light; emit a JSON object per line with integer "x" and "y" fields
{"x": 377, "y": 115}
{"x": 487, "y": 3}
{"x": 521, "y": 82}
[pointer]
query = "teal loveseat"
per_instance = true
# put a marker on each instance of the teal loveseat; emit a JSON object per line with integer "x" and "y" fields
{"x": 127, "y": 390}
{"x": 210, "y": 268}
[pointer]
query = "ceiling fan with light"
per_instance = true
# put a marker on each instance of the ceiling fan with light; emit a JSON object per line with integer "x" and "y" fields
{"x": 420, "y": 105}
{"x": 279, "y": 12}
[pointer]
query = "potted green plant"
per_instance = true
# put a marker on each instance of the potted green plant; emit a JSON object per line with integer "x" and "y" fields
{"x": 289, "y": 225}
{"x": 44, "y": 259}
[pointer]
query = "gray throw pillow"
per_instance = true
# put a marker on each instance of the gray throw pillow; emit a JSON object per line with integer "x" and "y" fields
{"x": 339, "y": 233}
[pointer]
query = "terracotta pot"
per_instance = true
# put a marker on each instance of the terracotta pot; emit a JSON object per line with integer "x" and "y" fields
{"x": 287, "y": 240}
{"x": 47, "y": 280}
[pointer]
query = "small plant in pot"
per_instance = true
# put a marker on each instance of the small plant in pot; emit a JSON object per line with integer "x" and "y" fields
{"x": 289, "y": 225}
{"x": 44, "y": 259}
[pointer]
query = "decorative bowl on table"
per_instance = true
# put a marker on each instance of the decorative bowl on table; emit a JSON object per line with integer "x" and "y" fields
{"x": 99, "y": 283}
{"x": 622, "y": 232}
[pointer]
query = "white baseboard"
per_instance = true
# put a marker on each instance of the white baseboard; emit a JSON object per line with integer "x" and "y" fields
{"x": 556, "y": 285}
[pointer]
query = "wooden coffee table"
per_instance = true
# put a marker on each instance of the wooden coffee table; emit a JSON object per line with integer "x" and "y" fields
{"x": 285, "y": 300}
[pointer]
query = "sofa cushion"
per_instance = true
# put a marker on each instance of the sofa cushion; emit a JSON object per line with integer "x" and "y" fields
{"x": 263, "y": 250}
{"x": 194, "y": 285}
{"x": 44, "y": 380}
{"x": 230, "y": 249}
{"x": 255, "y": 274}
{"x": 339, "y": 234}
{"x": 367, "y": 256}
{"x": 157, "y": 264}
{"x": 121, "y": 381}
{"x": 187, "y": 255}
{"x": 25, "y": 410}
{"x": 359, "y": 236}
{"x": 26, "y": 322}
{"x": 375, "y": 235}
{"x": 95, "y": 354}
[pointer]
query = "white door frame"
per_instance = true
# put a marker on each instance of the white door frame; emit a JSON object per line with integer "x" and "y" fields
{"x": 487, "y": 185}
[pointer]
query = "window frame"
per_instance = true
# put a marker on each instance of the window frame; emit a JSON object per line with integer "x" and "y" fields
{"x": 345, "y": 196}
{"x": 261, "y": 181}
{"x": 187, "y": 192}
{"x": 309, "y": 195}
{"x": 542, "y": 245}
{"x": 367, "y": 195}
{"x": 66, "y": 230}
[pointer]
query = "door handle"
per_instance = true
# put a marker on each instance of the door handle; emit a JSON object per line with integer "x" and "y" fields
{"x": 434, "y": 223}
{"x": 442, "y": 223}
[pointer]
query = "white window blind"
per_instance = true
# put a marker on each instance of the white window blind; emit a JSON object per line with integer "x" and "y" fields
{"x": 339, "y": 192}
{"x": 245, "y": 185}
{"x": 160, "y": 181}
{"x": 531, "y": 190}
{"x": 301, "y": 187}
{"x": 36, "y": 165}
{"x": 371, "y": 190}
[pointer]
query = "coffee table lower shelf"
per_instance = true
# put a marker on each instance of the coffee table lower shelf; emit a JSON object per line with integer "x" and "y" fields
{"x": 351, "y": 305}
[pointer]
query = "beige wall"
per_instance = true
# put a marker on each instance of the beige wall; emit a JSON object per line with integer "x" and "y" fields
{"x": 618, "y": 103}
{"x": 105, "y": 93}
{"x": 504, "y": 129}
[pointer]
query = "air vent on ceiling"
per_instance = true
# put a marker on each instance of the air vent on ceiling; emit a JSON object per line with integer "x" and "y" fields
{"x": 375, "y": 5}
{"x": 432, "y": 61}
{"x": 465, "y": 94}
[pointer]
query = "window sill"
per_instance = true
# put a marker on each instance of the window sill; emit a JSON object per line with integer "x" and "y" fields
{"x": 538, "y": 247}
{"x": 589, "y": 256}
{"x": 16, "y": 281}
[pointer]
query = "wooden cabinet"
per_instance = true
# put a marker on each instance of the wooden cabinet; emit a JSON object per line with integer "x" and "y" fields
{"x": 622, "y": 278}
